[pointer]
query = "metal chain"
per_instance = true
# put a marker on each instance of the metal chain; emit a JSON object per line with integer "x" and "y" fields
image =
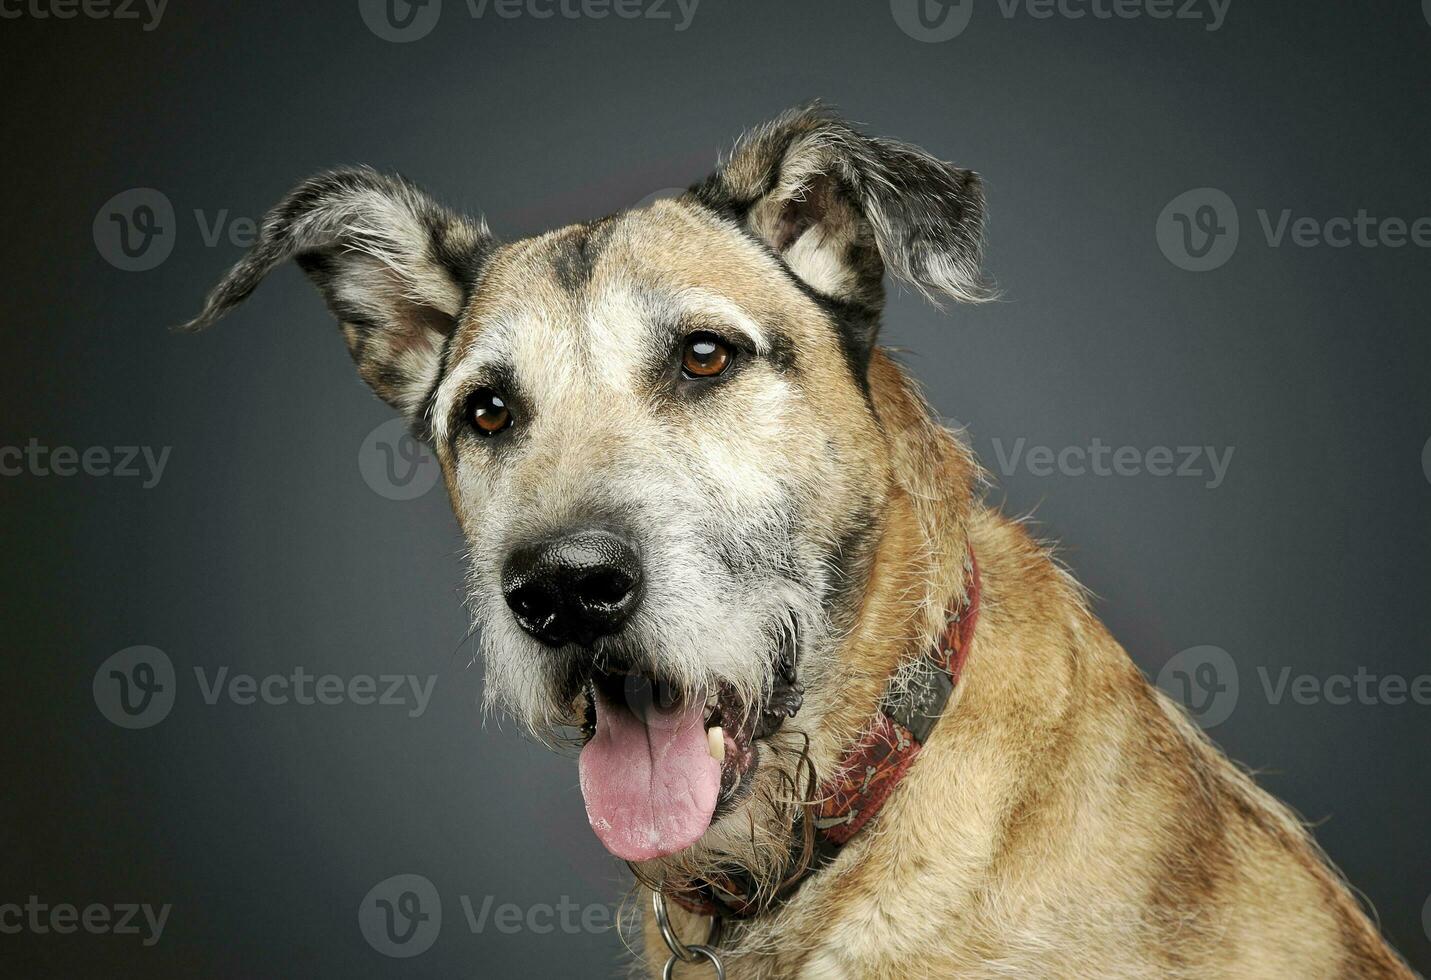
{"x": 679, "y": 950}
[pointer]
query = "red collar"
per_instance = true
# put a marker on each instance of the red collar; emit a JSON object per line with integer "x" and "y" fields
{"x": 869, "y": 770}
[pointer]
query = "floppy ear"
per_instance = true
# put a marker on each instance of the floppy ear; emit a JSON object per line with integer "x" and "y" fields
{"x": 395, "y": 267}
{"x": 841, "y": 207}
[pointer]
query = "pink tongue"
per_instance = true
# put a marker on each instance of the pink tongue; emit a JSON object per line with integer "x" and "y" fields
{"x": 650, "y": 791}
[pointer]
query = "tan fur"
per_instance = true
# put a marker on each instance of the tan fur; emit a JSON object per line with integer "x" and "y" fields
{"x": 1065, "y": 819}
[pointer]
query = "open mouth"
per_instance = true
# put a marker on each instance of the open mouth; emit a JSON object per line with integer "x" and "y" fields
{"x": 660, "y": 765}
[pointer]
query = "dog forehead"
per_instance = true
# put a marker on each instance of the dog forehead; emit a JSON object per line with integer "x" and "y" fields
{"x": 598, "y": 300}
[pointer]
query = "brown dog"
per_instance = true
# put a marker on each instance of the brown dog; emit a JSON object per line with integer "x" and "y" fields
{"x": 824, "y": 693}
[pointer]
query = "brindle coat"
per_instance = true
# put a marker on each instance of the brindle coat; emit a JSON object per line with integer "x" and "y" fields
{"x": 1065, "y": 819}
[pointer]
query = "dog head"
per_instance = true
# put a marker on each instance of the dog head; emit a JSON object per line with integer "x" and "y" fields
{"x": 662, "y": 440}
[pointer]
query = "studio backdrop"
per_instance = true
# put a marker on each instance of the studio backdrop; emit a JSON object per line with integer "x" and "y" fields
{"x": 241, "y": 714}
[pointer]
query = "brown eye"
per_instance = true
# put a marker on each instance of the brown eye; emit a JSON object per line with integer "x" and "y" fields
{"x": 705, "y": 356}
{"x": 489, "y": 412}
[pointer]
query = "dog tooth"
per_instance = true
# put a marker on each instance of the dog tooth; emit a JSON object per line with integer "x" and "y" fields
{"x": 715, "y": 742}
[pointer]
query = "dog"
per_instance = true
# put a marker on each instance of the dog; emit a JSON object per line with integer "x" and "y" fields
{"x": 841, "y": 717}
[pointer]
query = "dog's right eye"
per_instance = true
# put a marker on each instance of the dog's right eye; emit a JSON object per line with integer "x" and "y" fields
{"x": 488, "y": 412}
{"x": 705, "y": 356}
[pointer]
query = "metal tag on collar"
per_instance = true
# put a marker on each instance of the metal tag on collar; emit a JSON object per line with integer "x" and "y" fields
{"x": 679, "y": 950}
{"x": 921, "y": 702}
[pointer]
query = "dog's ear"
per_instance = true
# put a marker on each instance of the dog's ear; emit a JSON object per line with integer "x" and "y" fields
{"x": 395, "y": 267}
{"x": 841, "y": 207}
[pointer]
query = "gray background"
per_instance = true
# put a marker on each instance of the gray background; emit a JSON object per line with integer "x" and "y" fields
{"x": 263, "y": 547}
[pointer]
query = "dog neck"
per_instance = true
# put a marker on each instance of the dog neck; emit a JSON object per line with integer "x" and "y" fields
{"x": 922, "y": 587}
{"x": 919, "y": 571}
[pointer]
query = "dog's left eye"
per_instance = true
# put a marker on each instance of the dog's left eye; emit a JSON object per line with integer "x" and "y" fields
{"x": 489, "y": 412}
{"x": 705, "y": 356}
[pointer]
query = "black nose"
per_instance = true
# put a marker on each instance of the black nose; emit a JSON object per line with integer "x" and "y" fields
{"x": 574, "y": 588}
